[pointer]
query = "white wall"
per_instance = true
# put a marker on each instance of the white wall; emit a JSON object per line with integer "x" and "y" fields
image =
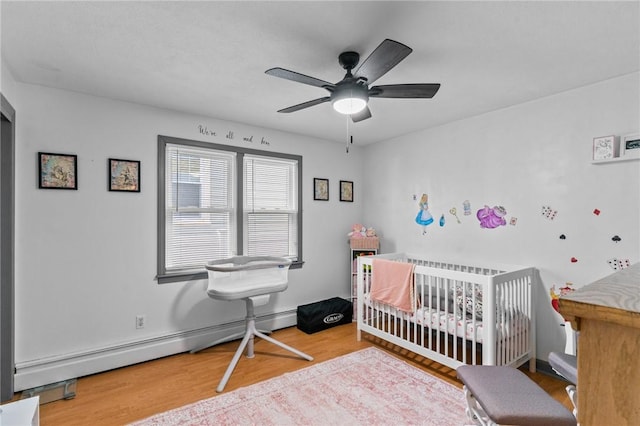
{"x": 86, "y": 259}
{"x": 522, "y": 158}
{"x": 7, "y": 82}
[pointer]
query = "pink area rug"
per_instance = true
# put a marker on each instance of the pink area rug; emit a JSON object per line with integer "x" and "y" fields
{"x": 367, "y": 387}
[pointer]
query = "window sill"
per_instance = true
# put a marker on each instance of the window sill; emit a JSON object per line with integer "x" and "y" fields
{"x": 297, "y": 264}
{"x": 180, "y": 277}
{"x": 193, "y": 276}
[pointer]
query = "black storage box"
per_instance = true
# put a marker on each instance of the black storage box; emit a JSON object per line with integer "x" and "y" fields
{"x": 328, "y": 313}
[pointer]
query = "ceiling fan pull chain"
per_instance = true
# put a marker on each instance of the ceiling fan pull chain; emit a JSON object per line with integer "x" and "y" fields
{"x": 348, "y": 135}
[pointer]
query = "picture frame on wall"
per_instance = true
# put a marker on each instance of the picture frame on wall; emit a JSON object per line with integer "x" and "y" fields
{"x": 630, "y": 146}
{"x": 57, "y": 171}
{"x": 321, "y": 189}
{"x": 605, "y": 147}
{"x": 124, "y": 175}
{"x": 346, "y": 191}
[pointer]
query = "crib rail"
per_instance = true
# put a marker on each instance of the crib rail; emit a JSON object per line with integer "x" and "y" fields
{"x": 462, "y": 314}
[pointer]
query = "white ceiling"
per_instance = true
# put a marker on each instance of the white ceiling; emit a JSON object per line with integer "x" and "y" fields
{"x": 209, "y": 58}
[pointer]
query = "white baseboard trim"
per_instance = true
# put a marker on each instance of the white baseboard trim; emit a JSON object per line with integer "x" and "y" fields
{"x": 44, "y": 371}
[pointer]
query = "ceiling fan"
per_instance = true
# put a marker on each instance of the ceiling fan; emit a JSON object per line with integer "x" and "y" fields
{"x": 351, "y": 94}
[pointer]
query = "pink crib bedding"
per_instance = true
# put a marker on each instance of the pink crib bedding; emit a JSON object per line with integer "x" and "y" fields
{"x": 393, "y": 283}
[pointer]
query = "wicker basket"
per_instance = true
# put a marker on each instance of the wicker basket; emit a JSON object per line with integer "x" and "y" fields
{"x": 365, "y": 243}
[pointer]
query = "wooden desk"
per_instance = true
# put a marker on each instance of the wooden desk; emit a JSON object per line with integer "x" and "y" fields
{"x": 607, "y": 314}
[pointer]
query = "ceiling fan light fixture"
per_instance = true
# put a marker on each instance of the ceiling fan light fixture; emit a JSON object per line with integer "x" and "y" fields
{"x": 349, "y": 105}
{"x": 349, "y": 98}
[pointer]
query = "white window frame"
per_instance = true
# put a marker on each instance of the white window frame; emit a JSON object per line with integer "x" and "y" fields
{"x": 239, "y": 209}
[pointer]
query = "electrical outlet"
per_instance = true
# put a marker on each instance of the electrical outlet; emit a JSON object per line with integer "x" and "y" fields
{"x": 141, "y": 320}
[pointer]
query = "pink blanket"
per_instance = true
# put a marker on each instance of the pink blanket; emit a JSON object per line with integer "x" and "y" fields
{"x": 392, "y": 283}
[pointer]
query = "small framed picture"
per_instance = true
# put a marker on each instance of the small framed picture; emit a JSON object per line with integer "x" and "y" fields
{"x": 630, "y": 146}
{"x": 346, "y": 191}
{"x": 321, "y": 189}
{"x": 605, "y": 147}
{"x": 124, "y": 175}
{"x": 57, "y": 171}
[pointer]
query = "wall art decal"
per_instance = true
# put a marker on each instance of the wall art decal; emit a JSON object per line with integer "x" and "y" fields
{"x": 454, "y": 212}
{"x": 206, "y": 131}
{"x": 491, "y": 217}
{"x": 466, "y": 206}
{"x": 549, "y": 213}
{"x": 424, "y": 218}
{"x": 556, "y": 296}
{"x": 617, "y": 264}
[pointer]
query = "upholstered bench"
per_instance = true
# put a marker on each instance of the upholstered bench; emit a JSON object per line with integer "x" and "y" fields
{"x": 506, "y": 396}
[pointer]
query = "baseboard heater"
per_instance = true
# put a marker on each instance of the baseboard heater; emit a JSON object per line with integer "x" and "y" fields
{"x": 53, "y": 392}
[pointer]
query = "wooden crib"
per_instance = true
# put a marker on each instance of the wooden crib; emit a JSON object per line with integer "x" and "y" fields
{"x": 461, "y": 314}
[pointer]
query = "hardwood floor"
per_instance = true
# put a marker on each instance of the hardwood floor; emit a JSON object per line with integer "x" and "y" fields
{"x": 127, "y": 394}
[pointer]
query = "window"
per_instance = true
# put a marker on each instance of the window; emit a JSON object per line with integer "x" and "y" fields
{"x": 215, "y": 201}
{"x": 270, "y": 206}
{"x": 199, "y": 212}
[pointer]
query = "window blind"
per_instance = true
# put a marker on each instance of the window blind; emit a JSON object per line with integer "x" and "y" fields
{"x": 200, "y": 213}
{"x": 270, "y": 207}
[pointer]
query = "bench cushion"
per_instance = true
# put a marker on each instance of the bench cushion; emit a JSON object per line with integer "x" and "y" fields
{"x": 509, "y": 397}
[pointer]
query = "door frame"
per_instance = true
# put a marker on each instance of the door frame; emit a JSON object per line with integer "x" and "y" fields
{"x": 7, "y": 249}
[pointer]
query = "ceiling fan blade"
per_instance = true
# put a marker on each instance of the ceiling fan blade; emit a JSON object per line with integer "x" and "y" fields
{"x": 362, "y": 115}
{"x": 300, "y": 78}
{"x": 404, "y": 91}
{"x": 306, "y": 104}
{"x": 386, "y": 56}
